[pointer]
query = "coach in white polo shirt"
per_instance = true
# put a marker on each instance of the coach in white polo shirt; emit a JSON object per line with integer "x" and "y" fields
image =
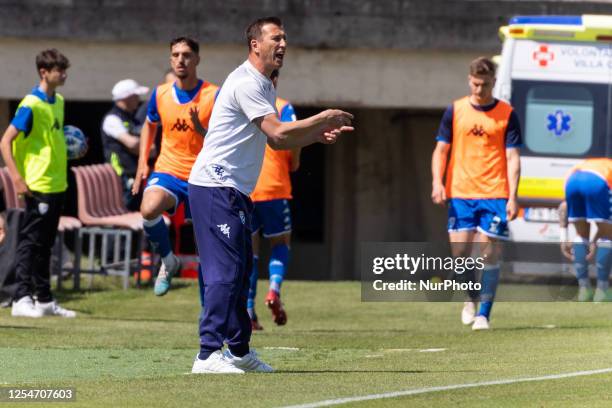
{"x": 243, "y": 120}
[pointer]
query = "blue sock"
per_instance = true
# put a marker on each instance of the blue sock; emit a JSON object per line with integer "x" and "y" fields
{"x": 580, "y": 263}
{"x": 278, "y": 266}
{"x": 157, "y": 233}
{"x": 253, "y": 288}
{"x": 485, "y": 309}
{"x": 489, "y": 280}
{"x": 603, "y": 258}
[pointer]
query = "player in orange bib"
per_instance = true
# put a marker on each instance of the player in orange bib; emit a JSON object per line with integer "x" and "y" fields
{"x": 182, "y": 109}
{"x": 588, "y": 199}
{"x": 271, "y": 214}
{"x": 483, "y": 137}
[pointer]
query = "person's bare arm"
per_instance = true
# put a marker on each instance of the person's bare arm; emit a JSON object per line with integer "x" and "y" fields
{"x": 131, "y": 142}
{"x": 438, "y": 166}
{"x": 566, "y": 247}
{"x": 563, "y": 223}
{"x": 146, "y": 140}
{"x": 295, "y": 159}
{"x": 513, "y": 163}
{"x": 6, "y": 148}
{"x": 324, "y": 127}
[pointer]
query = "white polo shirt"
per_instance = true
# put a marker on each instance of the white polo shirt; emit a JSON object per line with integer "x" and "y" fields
{"x": 234, "y": 146}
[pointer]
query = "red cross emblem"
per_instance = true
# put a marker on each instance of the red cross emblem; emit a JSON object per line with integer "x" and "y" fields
{"x": 543, "y": 55}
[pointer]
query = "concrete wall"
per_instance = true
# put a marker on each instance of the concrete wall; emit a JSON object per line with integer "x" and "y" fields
{"x": 320, "y": 24}
{"x": 389, "y": 53}
{"x": 5, "y": 116}
{"x": 375, "y": 78}
{"x": 379, "y": 185}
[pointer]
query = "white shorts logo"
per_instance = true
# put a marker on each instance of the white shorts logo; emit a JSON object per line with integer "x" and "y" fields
{"x": 225, "y": 229}
{"x": 153, "y": 181}
{"x": 493, "y": 227}
{"x": 43, "y": 208}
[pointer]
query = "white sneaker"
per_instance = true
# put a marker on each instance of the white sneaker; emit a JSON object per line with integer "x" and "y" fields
{"x": 24, "y": 307}
{"x": 53, "y": 309}
{"x": 468, "y": 313}
{"x": 481, "y": 323}
{"x": 248, "y": 363}
{"x": 216, "y": 363}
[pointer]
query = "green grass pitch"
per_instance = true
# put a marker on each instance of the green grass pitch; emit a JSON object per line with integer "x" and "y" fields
{"x": 131, "y": 349}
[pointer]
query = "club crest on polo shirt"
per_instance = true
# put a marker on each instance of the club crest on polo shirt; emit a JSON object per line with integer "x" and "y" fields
{"x": 242, "y": 217}
{"x": 43, "y": 208}
{"x": 225, "y": 229}
{"x": 216, "y": 172}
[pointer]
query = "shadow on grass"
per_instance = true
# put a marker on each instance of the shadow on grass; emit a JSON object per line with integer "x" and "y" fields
{"x": 350, "y": 371}
{"x": 143, "y": 320}
{"x": 533, "y": 328}
{"x": 20, "y": 327}
{"x": 331, "y": 331}
{"x": 370, "y": 371}
{"x": 69, "y": 293}
{"x": 176, "y": 284}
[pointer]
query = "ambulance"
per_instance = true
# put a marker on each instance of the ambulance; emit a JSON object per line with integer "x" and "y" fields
{"x": 556, "y": 71}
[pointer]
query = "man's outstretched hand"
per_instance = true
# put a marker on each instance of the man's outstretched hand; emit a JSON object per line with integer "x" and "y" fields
{"x": 335, "y": 122}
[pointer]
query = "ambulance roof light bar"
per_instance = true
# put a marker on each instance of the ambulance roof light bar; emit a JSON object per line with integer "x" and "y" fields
{"x": 557, "y": 20}
{"x": 585, "y": 28}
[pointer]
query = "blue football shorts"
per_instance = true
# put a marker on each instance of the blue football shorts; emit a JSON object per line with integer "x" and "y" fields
{"x": 487, "y": 216}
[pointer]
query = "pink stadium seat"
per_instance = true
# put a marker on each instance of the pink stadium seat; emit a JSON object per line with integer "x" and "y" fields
{"x": 99, "y": 198}
{"x": 11, "y": 199}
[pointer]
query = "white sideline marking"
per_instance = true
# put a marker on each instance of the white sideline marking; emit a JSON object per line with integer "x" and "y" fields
{"x": 338, "y": 401}
{"x": 432, "y": 350}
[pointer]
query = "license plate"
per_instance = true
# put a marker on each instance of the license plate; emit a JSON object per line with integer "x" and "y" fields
{"x": 541, "y": 214}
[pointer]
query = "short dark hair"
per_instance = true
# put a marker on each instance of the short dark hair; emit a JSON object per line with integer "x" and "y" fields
{"x": 51, "y": 58}
{"x": 191, "y": 43}
{"x": 253, "y": 31}
{"x": 482, "y": 66}
{"x": 274, "y": 74}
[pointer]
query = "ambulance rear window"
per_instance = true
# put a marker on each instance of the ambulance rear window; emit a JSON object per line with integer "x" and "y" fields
{"x": 561, "y": 119}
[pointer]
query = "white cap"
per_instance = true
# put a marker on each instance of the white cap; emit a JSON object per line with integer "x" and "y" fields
{"x": 127, "y": 87}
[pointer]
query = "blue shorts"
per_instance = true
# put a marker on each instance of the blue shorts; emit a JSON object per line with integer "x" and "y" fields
{"x": 174, "y": 186}
{"x": 488, "y": 216}
{"x": 588, "y": 197}
{"x": 273, "y": 215}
